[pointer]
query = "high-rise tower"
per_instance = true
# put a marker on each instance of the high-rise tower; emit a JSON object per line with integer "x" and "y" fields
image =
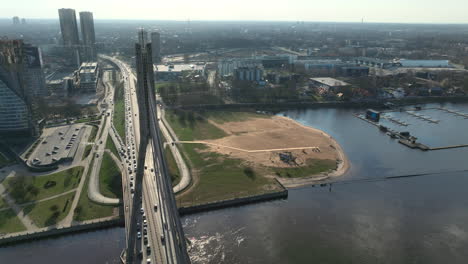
{"x": 15, "y": 100}
{"x": 156, "y": 46}
{"x": 88, "y": 35}
{"x": 68, "y": 27}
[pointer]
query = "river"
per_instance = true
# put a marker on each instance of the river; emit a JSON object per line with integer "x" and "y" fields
{"x": 363, "y": 218}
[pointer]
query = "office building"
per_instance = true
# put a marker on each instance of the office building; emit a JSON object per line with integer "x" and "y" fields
{"x": 88, "y": 36}
{"x": 68, "y": 27}
{"x": 156, "y": 46}
{"x": 16, "y": 20}
{"x": 15, "y": 101}
{"x": 33, "y": 71}
{"x": 86, "y": 77}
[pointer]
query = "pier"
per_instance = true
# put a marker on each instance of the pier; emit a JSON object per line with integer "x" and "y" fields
{"x": 393, "y": 120}
{"x": 425, "y": 118}
{"x": 454, "y": 112}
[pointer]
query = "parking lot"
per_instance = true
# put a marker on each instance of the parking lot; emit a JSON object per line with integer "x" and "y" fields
{"x": 59, "y": 142}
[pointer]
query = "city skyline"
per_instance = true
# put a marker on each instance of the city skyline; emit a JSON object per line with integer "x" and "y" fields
{"x": 451, "y": 11}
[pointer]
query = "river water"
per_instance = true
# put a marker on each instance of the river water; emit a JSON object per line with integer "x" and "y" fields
{"x": 363, "y": 218}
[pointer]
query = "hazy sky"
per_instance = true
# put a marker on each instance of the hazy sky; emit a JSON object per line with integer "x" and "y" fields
{"x": 404, "y": 11}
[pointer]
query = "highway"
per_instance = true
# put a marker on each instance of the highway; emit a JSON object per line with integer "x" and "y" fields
{"x": 158, "y": 225}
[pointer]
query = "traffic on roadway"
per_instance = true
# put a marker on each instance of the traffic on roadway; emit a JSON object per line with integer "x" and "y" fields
{"x": 156, "y": 228}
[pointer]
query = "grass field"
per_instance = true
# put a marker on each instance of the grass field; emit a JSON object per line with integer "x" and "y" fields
{"x": 87, "y": 209}
{"x": 26, "y": 189}
{"x": 222, "y": 177}
{"x": 172, "y": 167}
{"x": 111, "y": 146}
{"x": 192, "y": 127}
{"x": 110, "y": 179}
{"x": 119, "y": 110}
{"x": 50, "y": 212}
{"x": 314, "y": 166}
{"x": 9, "y": 222}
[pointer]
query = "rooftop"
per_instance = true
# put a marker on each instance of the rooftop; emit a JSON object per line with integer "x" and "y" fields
{"x": 330, "y": 81}
{"x": 179, "y": 67}
{"x": 88, "y": 67}
{"x": 425, "y": 63}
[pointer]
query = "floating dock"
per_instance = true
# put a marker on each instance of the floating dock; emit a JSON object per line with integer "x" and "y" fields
{"x": 393, "y": 120}
{"x": 425, "y": 118}
{"x": 454, "y": 112}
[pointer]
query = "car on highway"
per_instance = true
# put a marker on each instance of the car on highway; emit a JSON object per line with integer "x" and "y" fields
{"x": 139, "y": 235}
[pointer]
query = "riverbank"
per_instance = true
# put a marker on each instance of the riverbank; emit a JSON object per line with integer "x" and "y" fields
{"x": 343, "y": 164}
{"x": 48, "y": 232}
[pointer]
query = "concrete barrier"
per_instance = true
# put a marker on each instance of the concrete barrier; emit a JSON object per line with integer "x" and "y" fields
{"x": 233, "y": 202}
{"x": 53, "y": 232}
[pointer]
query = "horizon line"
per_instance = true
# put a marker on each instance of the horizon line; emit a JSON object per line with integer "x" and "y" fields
{"x": 253, "y": 20}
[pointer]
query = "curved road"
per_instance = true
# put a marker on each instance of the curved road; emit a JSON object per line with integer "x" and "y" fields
{"x": 93, "y": 191}
{"x": 172, "y": 137}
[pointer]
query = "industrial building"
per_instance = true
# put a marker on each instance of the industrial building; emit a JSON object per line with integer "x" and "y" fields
{"x": 171, "y": 72}
{"x": 86, "y": 77}
{"x": 226, "y": 67}
{"x": 253, "y": 74}
{"x": 327, "y": 84}
{"x": 424, "y": 63}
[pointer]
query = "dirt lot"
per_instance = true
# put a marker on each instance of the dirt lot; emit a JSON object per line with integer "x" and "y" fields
{"x": 261, "y": 140}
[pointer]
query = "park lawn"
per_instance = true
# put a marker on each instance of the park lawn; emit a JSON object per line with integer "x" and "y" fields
{"x": 9, "y": 222}
{"x": 172, "y": 166}
{"x": 87, "y": 209}
{"x": 50, "y": 212}
{"x": 196, "y": 129}
{"x": 313, "y": 167}
{"x": 111, "y": 146}
{"x": 221, "y": 177}
{"x": 26, "y": 189}
{"x": 87, "y": 151}
{"x": 92, "y": 135}
{"x": 110, "y": 178}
